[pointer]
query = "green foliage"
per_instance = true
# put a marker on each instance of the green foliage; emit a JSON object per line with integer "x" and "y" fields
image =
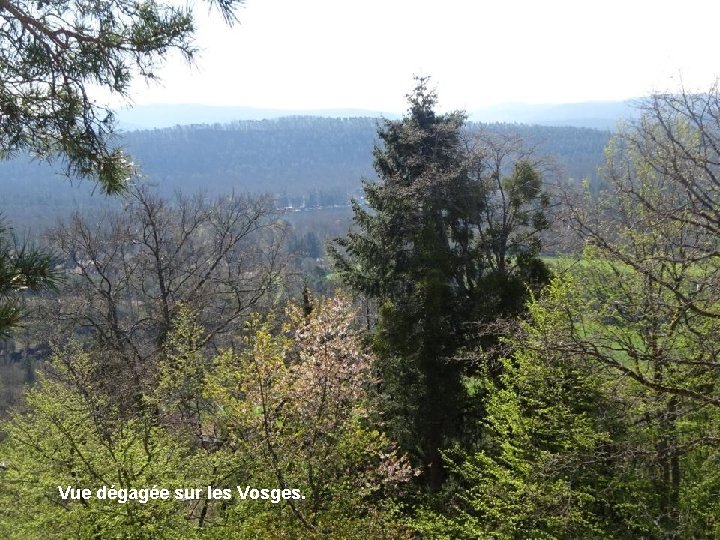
{"x": 70, "y": 435}
{"x": 572, "y": 449}
{"x": 294, "y": 410}
{"x": 641, "y": 310}
{"x": 182, "y": 372}
{"x": 23, "y": 267}
{"x": 549, "y": 426}
{"x": 53, "y": 52}
{"x": 289, "y": 410}
{"x": 637, "y": 329}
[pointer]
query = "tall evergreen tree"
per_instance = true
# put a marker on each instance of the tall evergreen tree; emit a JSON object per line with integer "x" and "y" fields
{"x": 449, "y": 238}
{"x": 410, "y": 252}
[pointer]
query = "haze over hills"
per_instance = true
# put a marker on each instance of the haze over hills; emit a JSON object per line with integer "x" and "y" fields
{"x": 592, "y": 114}
{"x": 304, "y": 161}
{"x": 589, "y": 114}
{"x": 170, "y": 115}
{"x": 305, "y": 158}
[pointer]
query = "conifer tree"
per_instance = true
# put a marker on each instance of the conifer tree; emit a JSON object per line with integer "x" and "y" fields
{"x": 410, "y": 253}
{"x": 55, "y": 54}
{"x": 23, "y": 267}
{"x": 444, "y": 243}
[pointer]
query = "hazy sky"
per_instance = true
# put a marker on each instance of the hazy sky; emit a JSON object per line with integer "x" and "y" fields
{"x": 309, "y": 54}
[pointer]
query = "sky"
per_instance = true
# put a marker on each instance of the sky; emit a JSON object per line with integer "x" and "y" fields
{"x": 318, "y": 54}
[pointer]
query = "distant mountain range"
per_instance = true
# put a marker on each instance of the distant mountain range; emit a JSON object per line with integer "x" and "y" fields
{"x": 591, "y": 114}
{"x": 305, "y": 161}
{"x": 170, "y": 115}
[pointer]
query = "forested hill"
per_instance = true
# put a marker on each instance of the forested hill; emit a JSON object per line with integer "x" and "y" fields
{"x": 313, "y": 158}
{"x": 303, "y": 160}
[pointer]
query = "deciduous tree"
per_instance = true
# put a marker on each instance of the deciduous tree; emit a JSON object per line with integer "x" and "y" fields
{"x": 132, "y": 271}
